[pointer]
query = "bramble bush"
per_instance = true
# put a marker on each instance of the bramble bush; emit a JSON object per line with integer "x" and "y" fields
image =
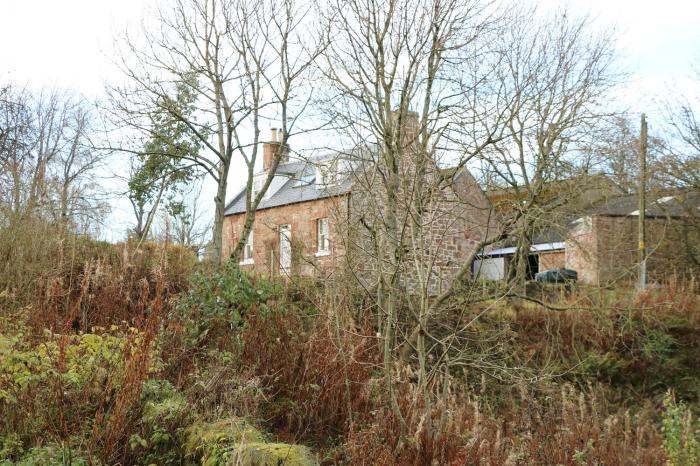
{"x": 217, "y": 305}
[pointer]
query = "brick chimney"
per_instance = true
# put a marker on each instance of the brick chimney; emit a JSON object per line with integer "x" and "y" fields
{"x": 270, "y": 149}
{"x": 409, "y": 130}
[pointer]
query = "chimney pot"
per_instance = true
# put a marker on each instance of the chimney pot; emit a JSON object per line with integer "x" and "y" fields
{"x": 270, "y": 149}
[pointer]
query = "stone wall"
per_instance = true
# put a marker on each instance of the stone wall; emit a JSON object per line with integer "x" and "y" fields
{"x": 606, "y": 253}
{"x": 302, "y": 218}
{"x": 552, "y": 260}
{"x": 456, "y": 220}
{"x": 466, "y": 218}
{"x": 582, "y": 251}
{"x": 668, "y": 242}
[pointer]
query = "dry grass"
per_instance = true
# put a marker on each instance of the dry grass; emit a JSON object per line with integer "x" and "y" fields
{"x": 305, "y": 366}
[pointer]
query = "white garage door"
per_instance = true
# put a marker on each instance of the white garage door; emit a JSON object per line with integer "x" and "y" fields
{"x": 491, "y": 268}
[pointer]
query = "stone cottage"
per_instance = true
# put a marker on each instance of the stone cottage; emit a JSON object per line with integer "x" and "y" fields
{"x": 296, "y": 224}
{"x": 312, "y": 208}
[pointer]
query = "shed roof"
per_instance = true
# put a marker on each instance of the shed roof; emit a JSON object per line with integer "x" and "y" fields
{"x": 542, "y": 247}
{"x": 675, "y": 204}
{"x": 670, "y": 204}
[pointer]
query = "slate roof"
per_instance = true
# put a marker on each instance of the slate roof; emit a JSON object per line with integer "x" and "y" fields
{"x": 301, "y": 184}
{"x": 299, "y": 187}
{"x": 674, "y": 205}
{"x": 664, "y": 205}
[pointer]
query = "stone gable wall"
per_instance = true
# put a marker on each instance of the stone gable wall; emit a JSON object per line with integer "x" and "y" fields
{"x": 667, "y": 241}
{"x": 582, "y": 251}
{"x": 606, "y": 253}
{"x": 457, "y": 220}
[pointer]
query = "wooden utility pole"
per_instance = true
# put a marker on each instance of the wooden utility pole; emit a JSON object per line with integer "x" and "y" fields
{"x": 642, "y": 204}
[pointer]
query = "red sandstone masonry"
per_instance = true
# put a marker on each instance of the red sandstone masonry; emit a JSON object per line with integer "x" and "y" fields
{"x": 606, "y": 253}
{"x": 302, "y": 217}
{"x": 552, "y": 260}
{"x": 460, "y": 220}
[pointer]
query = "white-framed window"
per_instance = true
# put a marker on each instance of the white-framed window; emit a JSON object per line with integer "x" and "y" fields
{"x": 322, "y": 237}
{"x": 257, "y": 186}
{"x": 327, "y": 174}
{"x": 248, "y": 249}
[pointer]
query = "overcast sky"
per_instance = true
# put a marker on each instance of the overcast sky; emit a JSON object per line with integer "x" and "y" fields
{"x": 67, "y": 44}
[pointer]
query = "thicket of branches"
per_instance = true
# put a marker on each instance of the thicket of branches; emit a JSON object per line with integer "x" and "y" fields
{"x": 48, "y": 162}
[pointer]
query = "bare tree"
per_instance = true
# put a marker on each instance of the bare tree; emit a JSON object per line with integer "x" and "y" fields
{"x": 79, "y": 196}
{"x": 402, "y": 78}
{"x": 420, "y": 86}
{"x": 188, "y": 224}
{"x": 48, "y": 159}
{"x": 245, "y": 62}
{"x": 680, "y": 164}
{"x": 682, "y": 158}
{"x": 612, "y": 150}
{"x": 16, "y": 126}
{"x": 556, "y": 75}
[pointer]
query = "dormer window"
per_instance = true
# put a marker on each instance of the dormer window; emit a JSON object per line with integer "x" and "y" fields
{"x": 306, "y": 179}
{"x": 258, "y": 184}
{"x": 327, "y": 174}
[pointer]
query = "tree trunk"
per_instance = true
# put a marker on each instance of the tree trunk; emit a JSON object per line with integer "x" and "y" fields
{"x": 219, "y": 206}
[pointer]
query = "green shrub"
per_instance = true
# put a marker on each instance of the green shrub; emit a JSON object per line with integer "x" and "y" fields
{"x": 164, "y": 415}
{"x": 681, "y": 435}
{"x": 203, "y": 434}
{"x": 60, "y": 381}
{"x": 235, "y": 441}
{"x": 220, "y": 303}
{"x": 607, "y": 366}
{"x": 51, "y": 455}
{"x": 11, "y": 446}
{"x": 87, "y": 357}
{"x": 211, "y": 442}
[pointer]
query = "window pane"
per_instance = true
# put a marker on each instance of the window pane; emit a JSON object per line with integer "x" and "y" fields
{"x": 248, "y": 249}
{"x": 322, "y": 234}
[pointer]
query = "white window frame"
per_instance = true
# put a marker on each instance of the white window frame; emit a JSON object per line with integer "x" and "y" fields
{"x": 323, "y": 241}
{"x": 248, "y": 250}
{"x": 257, "y": 187}
{"x": 285, "y": 236}
{"x": 327, "y": 174}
